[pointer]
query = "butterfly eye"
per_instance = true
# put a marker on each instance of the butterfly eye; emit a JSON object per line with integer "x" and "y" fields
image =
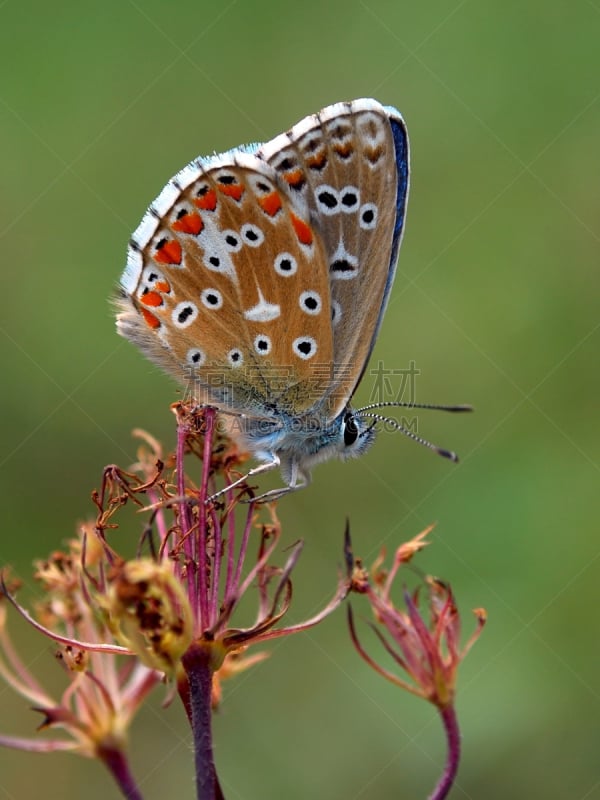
{"x": 350, "y": 430}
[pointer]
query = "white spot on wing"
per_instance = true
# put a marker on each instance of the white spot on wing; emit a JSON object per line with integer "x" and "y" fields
{"x": 336, "y": 312}
{"x": 368, "y": 216}
{"x": 216, "y": 253}
{"x": 232, "y": 241}
{"x": 184, "y": 314}
{"x": 235, "y": 357}
{"x": 262, "y": 345}
{"x": 371, "y": 128}
{"x": 252, "y": 235}
{"x": 328, "y": 199}
{"x": 310, "y": 302}
{"x": 212, "y": 298}
{"x": 349, "y": 199}
{"x": 151, "y": 275}
{"x": 262, "y": 311}
{"x": 195, "y": 357}
{"x": 343, "y": 265}
{"x": 304, "y": 347}
{"x": 285, "y": 265}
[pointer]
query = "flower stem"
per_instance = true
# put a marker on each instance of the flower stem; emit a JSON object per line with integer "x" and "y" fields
{"x": 197, "y": 664}
{"x": 186, "y": 522}
{"x": 448, "y": 714}
{"x": 202, "y": 573}
{"x": 115, "y": 761}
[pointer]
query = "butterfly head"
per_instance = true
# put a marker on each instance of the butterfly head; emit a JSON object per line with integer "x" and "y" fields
{"x": 356, "y": 435}
{"x": 305, "y": 440}
{"x": 297, "y": 444}
{"x": 347, "y": 436}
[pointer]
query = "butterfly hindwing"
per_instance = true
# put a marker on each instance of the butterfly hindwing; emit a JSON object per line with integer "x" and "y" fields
{"x": 347, "y": 168}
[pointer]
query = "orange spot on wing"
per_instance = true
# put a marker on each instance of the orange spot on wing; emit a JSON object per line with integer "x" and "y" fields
{"x": 208, "y": 201}
{"x": 169, "y": 253}
{"x": 373, "y": 154}
{"x": 344, "y": 150}
{"x": 270, "y": 204}
{"x": 317, "y": 161}
{"x": 151, "y": 299}
{"x": 295, "y": 178}
{"x": 189, "y": 223}
{"x": 233, "y": 190}
{"x": 303, "y": 231}
{"x": 151, "y": 320}
{"x": 162, "y": 286}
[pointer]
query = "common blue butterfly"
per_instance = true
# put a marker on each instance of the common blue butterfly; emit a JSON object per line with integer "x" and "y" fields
{"x": 259, "y": 277}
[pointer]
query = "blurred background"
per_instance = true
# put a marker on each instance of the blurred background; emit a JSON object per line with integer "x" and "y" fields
{"x": 495, "y": 301}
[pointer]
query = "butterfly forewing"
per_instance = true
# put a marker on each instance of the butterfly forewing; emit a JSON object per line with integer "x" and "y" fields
{"x": 227, "y": 288}
{"x": 260, "y": 277}
{"x": 347, "y": 168}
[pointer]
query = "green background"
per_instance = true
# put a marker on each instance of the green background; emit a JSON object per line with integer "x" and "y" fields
{"x": 496, "y": 300}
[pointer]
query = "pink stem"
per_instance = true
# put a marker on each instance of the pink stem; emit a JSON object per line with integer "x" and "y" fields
{"x": 216, "y": 570}
{"x": 116, "y": 763}
{"x": 230, "y": 551}
{"x": 448, "y": 714}
{"x": 160, "y": 516}
{"x": 185, "y": 513}
{"x": 197, "y": 664}
{"x": 202, "y": 574}
{"x": 232, "y": 586}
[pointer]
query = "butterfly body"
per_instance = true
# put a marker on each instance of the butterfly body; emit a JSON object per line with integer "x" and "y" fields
{"x": 259, "y": 279}
{"x": 297, "y": 444}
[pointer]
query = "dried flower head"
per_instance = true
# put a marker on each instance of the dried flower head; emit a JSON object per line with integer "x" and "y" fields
{"x": 424, "y": 637}
{"x": 105, "y": 687}
{"x": 122, "y": 625}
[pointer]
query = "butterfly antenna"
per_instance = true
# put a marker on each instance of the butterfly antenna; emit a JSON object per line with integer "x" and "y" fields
{"x": 425, "y": 406}
{"x": 419, "y": 439}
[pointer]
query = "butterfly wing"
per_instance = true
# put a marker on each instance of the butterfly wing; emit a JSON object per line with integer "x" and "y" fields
{"x": 223, "y": 267}
{"x": 347, "y": 169}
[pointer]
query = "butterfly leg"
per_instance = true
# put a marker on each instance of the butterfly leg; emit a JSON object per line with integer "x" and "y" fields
{"x": 298, "y": 480}
{"x": 268, "y": 465}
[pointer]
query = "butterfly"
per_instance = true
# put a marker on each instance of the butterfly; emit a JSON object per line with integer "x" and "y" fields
{"x": 259, "y": 277}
